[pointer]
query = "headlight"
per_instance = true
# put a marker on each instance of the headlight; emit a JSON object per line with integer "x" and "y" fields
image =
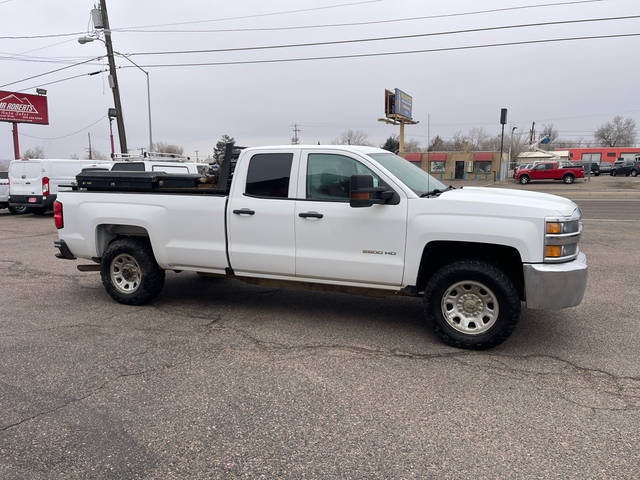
{"x": 562, "y": 236}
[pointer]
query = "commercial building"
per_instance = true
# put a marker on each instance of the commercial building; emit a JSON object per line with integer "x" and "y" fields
{"x": 459, "y": 165}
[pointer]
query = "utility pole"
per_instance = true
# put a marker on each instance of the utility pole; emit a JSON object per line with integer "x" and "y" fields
{"x": 90, "y": 151}
{"x": 295, "y": 140}
{"x": 113, "y": 77}
{"x": 532, "y": 133}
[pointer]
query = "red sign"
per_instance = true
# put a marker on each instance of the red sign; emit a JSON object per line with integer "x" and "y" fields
{"x": 23, "y": 108}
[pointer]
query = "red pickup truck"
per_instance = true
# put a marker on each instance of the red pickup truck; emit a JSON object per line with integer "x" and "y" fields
{"x": 549, "y": 171}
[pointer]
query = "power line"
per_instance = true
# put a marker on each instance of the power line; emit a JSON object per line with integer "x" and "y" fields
{"x": 372, "y": 22}
{"x": 37, "y": 60}
{"x": 64, "y": 79}
{"x": 394, "y": 37}
{"x": 382, "y": 54}
{"x": 68, "y": 134}
{"x": 257, "y": 15}
{"x": 54, "y": 35}
{"x": 51, "y": 71}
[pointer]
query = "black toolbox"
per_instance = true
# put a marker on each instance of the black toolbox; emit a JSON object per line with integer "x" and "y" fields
{"x": 136, "y": 181}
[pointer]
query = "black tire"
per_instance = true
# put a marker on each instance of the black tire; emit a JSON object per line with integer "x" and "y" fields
{"x": 483, "y": 273}
{"x": 524, "y": 179}
{"x": 151, "y": 276}
{"x": 20, "y": 210}
{"x": 613, "y": 173}
{"x": 38, "y": 210}
{"x": 634, "y": 173}
{"x": 597, "y": 174}
{"x": 568, "y": 179}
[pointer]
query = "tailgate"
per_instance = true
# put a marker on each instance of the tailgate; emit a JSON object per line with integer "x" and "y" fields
{"x": 26, "y": 178}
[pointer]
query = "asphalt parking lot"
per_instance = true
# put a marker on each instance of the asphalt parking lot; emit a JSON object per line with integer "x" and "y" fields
{"x": 219, "y": 379}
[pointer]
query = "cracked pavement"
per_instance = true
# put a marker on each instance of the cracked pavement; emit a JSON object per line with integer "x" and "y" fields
{"x": 220, "y": 379}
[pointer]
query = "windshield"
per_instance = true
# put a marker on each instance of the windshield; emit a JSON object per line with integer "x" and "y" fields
{"x": 412, "y": 176}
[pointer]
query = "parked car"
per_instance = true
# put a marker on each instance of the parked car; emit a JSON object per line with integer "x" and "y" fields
{"x": 591, "y": 167}
{"x": 550, "y": 171}
{"x": 626, "y": 167}
{"x": 605, "y": 167}
{"x": 34, "y": 183}
{"x": 347, "y": 218}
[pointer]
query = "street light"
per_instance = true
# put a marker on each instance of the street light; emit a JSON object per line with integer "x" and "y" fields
{"x": 511, "y": 145}
{"x": 89, "y": 39}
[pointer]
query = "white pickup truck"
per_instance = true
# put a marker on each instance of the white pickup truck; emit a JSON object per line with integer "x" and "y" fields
{"x": 349, "y": 218}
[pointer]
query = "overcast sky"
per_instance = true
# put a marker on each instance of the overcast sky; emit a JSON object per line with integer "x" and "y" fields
{"x": 575, "y": 85}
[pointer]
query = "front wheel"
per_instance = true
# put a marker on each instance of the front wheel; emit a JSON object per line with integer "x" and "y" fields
{"x": 613, "y": 173}
{"x": 634, "y": 173}
{"x": 471, "y": 304}
{"x": 568, "y": 179}
{"x": 524, "y": 179}
{"x": 129, "y": 271}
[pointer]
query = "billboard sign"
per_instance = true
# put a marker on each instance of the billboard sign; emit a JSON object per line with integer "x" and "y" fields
{"x": 403, "y": 104}
{"x": 23, "y": 108}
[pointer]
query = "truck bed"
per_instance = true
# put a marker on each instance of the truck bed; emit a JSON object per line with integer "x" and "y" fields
{"x": 189, "y": 229}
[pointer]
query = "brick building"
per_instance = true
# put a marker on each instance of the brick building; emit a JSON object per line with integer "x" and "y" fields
{"x": 458, "y": 165}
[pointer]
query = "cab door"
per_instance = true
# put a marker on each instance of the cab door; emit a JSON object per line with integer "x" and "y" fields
{"x": 337, "y": 242}
{"x": 260, "y": 214}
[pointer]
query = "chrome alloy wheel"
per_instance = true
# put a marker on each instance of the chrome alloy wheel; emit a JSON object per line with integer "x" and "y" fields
{"x": 469, "y": 307}
{"x": 125, "y": 273}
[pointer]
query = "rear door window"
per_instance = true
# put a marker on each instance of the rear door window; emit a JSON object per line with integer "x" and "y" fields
{"x": 269, "y": 174}
{"x": 169, "y": 169}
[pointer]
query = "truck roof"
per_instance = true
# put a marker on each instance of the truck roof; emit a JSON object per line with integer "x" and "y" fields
{"x": 350, "y": 148}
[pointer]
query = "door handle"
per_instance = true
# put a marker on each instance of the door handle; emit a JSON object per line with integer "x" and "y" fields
{"x": 244, "y": 211}
{"x": 310, "y": 215}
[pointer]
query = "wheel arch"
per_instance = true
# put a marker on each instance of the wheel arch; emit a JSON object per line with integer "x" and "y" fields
{"x": 108, "y": 232}
{"x": 436, "y": 254}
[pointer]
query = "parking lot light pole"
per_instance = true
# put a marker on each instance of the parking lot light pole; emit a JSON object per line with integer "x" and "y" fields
{"x": 82, "y": 41}
{"x": 148, "y": 96}
{"x": 511, "y": 145}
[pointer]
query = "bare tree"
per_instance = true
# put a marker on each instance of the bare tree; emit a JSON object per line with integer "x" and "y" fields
{"x": 163, "y": 147}
{"x": 352, "y": 137}
{"x": 620, "y": 131}
{"x": 412, "y": 146}
{"x": 95, "y": 155}
{"x": 35, "y": 152}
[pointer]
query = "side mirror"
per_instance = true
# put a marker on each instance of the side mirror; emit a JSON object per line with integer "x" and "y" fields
{"x": 362, "y": 193}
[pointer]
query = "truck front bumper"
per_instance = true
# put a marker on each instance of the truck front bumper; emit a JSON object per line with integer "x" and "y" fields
{"x": 552, "y": 286}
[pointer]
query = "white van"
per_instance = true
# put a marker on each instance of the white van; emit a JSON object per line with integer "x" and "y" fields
{"x": 4, "y": 189}
{"x": 34, "y": 183}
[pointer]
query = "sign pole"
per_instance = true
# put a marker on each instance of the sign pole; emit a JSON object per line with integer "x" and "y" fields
{"x": 111, "y": 136}
{"x": 401, "y": 146}
{"x": 16, "y": 144}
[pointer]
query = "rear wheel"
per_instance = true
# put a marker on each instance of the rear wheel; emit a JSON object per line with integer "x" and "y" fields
{"x": 524, "y": 179}
{"x": 471, "y": 304}
{"x": 568, "y": 178}
{"x": 634, "y": 173}
{"x": 17, "y": 210}
{"x": 613, "y": 173}
{"x": 129, "y": 271}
